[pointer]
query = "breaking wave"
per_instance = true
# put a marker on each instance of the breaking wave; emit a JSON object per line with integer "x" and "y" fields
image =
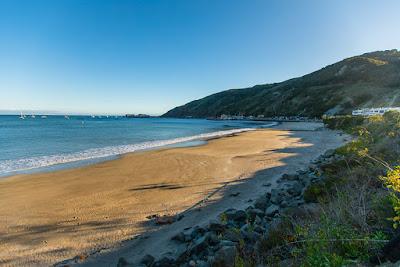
{"x": 10, "y": 166}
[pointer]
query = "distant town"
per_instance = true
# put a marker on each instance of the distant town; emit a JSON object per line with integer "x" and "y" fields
{"x": 373, "y": 111}
{"x": 138, "y": 116}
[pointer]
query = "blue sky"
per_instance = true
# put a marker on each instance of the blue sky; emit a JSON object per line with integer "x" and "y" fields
{"x": 149, "y": 56}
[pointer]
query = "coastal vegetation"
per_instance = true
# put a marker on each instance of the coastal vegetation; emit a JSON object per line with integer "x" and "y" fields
{"x": 358, "y": 201}
{"x": 368, "y": 80}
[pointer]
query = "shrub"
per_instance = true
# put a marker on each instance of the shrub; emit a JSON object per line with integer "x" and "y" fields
{"x": 392, "y": 182}
{"x": 314, "y": 192}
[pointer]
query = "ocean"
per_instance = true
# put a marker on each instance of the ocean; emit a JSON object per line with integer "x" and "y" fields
{"x": 56, "y": 142}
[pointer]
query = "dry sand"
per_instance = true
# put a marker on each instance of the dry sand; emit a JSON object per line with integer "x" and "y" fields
{"x": 49, "y": 217}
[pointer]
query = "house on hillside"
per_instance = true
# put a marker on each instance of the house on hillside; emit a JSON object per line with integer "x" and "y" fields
{"x": 373, "y": 111}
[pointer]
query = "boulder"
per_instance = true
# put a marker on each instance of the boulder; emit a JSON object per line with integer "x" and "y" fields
{"x": 180, "y": 237}
{"x": 212, "y": 239}
{"x": 236, "y": 215}
{"x": 226, "y": 243}
{"x": 329, "y": 153}
{"x": 232, "y": 235}
{"x": 166, "y": 261}
{"x": 253, "y": 213}
{"x": 199, "y": 245}
{"x": 290, "y": 177}
{"x": 122, "y": 262}
{"x": 272, "y": 210}
{"x": 224, "y": 257}
{"x": 147, "y": 260}
{"x": 261, "y": 203}
{"x": 201, "y": 263}
{"x": 295, "y": 188}
{"x": 216, "y": 226}
{"x": 197, "y": 231}
{"x": 277, "y": 195}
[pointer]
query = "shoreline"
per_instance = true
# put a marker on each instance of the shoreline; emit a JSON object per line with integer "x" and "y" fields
{"x": 86, "y": 211}
{"x": 185, "y": 141}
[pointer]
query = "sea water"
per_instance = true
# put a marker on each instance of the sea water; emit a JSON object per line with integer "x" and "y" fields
{"x": 43, "y": 144}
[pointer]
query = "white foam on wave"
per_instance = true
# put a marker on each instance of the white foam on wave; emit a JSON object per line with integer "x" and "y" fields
{"x": 10, "y": 166}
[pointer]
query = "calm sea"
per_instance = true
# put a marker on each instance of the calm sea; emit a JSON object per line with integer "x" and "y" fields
{"x": 55, "y": 142}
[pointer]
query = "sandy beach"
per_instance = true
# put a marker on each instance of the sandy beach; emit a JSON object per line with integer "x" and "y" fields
{"x": 49, "y": 217}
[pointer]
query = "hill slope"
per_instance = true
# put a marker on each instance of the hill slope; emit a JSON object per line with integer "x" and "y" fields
{"x": 371, "y": 79}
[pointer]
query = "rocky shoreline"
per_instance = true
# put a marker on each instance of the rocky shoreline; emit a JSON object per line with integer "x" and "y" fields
{"x": 240, "y": 232}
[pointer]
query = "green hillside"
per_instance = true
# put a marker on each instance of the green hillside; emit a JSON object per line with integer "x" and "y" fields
{"x": 371, "y": 79}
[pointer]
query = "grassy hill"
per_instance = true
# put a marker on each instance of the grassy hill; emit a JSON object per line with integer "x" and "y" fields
{"x": 371, "y": 79}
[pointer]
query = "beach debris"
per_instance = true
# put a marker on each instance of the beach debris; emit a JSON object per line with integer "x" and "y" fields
{"x": 234, "y": 194}
{"x": 150, "y": 217}
{"x": 167, "y": 219}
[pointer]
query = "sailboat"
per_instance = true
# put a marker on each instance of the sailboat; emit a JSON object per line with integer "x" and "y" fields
{"x": 22, "y": 117}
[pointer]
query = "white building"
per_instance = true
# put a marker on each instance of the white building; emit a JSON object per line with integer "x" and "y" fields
{"x": 373, "y": 111}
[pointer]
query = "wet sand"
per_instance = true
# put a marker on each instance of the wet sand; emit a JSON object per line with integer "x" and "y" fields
{"x": 49, "y": 217}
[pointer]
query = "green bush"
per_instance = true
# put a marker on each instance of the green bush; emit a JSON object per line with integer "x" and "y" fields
{"x": 334, "y": 244}
{"x": 346, "y": 123}
{"x": 315, "y": 192}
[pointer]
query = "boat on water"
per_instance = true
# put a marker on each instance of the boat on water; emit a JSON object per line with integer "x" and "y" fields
{"x": 67, "y": 117}
{"x": 43, "y": 117}
{"x": 33, "y": 116}
{"x": 22, "y": 117}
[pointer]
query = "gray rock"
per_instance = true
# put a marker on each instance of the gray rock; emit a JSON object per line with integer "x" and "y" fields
{"x": 236, "y": 215}
{"x": 329, "y": 153}
{"x": 122, "y": 262}
{"x": 147, "y": 260}
{"x": 283, "y": 204}
{"x": 277, "y": 196}
{"x": 232, "y": 235}
{"x": 258, "y": 220}
{"x": 180, "y": 237}
{"x": 251, "y": 236}
{"x": 226, "y": 243}
{"x": 290, "y": 177}
{"x": 197, "y": 231}
{"x": 216, "y": 226}
{"x": 201, "y": 263}
{"x": 224, "y": 257}
{"x": 166, "y": 261}
{"x": 261, "y": 203}
{"x": 295, "y": 189}
{"x": 199, "y": 245}
{"x": 212, "y": 239}
{"x": 272, "y": 210}
{"x": 253, "y": 213}
{"x": 259, "y": 229}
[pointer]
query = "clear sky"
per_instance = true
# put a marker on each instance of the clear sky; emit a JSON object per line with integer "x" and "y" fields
{"x": 149, "y": 56}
